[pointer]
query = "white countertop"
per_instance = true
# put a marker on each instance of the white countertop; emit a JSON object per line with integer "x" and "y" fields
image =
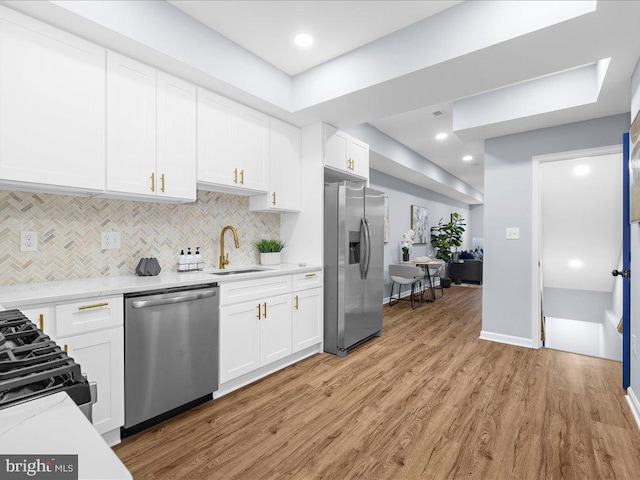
{"x": 47, "y": 292}
{"x": 54, "y": 425}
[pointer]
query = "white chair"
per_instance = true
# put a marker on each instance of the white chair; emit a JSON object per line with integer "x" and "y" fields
{"x": 436, "y": 271}
{"x": 406, "y": 275}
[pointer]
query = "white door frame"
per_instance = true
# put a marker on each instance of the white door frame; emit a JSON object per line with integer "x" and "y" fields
{"x": 536, "y": 207}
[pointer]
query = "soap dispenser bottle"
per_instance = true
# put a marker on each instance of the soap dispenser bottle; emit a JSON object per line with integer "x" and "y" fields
{"x": 182, "y": 262}
{"x": 197, "y": 258}
{"x": 190, "y": 264}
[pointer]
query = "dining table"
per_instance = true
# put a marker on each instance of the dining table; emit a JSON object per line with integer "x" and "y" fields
{"x": 425, "y": 263}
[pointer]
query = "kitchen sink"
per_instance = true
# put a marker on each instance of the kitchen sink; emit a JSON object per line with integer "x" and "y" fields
{"x": 234, "y": 272}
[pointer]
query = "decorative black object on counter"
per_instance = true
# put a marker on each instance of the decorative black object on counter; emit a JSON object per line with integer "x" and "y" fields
{"x": 148, "y": 267}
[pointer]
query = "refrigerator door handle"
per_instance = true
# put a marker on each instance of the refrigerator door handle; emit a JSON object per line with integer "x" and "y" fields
{"x": 363, "y": 237}
{"x": 368, "y": 243}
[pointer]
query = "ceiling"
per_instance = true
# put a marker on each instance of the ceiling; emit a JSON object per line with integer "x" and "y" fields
{"x": 267, "y": 28}
{"x": 581, "y": 219}
{"x": 493, "y": 67}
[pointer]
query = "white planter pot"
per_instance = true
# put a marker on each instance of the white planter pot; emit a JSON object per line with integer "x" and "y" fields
{"x": 272, "y": 258}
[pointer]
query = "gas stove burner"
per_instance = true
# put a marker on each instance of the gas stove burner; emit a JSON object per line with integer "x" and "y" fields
{"x": 32, "y": 365}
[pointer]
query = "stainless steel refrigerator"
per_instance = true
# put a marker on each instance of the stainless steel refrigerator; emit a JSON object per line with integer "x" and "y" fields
{"x": 353, "y": 256}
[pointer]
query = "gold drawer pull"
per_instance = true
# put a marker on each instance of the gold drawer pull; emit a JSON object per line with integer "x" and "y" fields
{"x": 242, "y": 177}
{"x": 162, "y": 182}
{"x": 309, "y": 275}
{"x": 235, "y": 175}
{"x": 259, "y": 312}
{"x": 153, "y": 182}
{"x": 65, "y": 348}
{"x": 41, "y": 321}
{"x": 95, "y": 305}
{"x": 274, "y": 198}
{"x": 296, "y": 302}
{"x": 265, "y": 309}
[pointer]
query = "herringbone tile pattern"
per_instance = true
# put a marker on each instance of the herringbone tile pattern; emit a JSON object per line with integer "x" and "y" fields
{"x": 69, "y": 231}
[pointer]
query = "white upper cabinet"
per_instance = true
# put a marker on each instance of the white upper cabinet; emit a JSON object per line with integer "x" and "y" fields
{"x": 252, "y": 152}
{"x": 215, "y": 139}
{"x": 52, "y": 107}
{"x": 345, "y": 154}
{"x": 131, "y": 126}
{"x": 151, "y": 132}
{"x": 284, "y": 177}
{"x": 176, "y": 165}
{"x": 233, "y": 146}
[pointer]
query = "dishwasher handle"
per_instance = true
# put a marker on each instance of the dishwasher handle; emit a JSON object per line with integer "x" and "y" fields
{"x": 171, "y": 300}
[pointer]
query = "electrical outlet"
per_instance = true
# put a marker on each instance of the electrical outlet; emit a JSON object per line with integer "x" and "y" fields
{"x": 110, "y": 240}
{"x": 633, "y": 344}
{"x": 28, "y": 241}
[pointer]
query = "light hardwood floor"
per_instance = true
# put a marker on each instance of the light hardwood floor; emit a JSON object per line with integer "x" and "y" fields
{"x": 426, "y": 400}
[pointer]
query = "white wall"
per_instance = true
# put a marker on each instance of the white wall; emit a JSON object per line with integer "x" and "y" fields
{"x": 584, "y": 305}
{"x": 401, "y": 196}
{"x": 476, "y": 221}
{"x": 508, "y": 269}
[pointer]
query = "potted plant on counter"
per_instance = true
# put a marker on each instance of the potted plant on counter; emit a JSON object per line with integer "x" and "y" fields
{"x": 444, "y": 236}
{"x": 269, "y": 251}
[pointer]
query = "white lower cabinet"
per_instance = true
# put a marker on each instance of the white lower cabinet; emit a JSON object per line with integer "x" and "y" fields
{"x": 43, "y": 317}
{"x": 254, "y": 334}
{"x": 307, "y": 318}
{"x": 101, "y": 357}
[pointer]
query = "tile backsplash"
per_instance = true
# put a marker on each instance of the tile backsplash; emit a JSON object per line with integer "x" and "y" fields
{"x": 69, "y": 234}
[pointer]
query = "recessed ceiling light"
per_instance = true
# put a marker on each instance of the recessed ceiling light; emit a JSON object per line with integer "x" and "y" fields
{"x": 581, "y": 170}
{"x": 575, "y": 263}
{"x": 303, "y": 40}
{"x": 442, "y": 136}
{"x": 467, "y": 158}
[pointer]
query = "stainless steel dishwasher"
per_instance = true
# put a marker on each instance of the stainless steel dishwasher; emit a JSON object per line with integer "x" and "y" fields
{"x": 171, "y": 353}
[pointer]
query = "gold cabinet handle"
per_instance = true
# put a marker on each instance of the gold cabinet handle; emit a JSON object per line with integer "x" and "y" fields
{"x": 95, "y": 305}
{"x": 296, "y": 302}
{"x": 41, "y": 321}
{"x": 153, "y": 182}
{"x": 309, "y": 275}
{"x": 66, "y": 348}
{"x": 265, "y": 309}
{"x": 162, "y": 183}
{"x": 235, "y": 175}
{"x": 274, "y": 198}
{"x": 242, "y": 177}
{"x": 258, "y": 312}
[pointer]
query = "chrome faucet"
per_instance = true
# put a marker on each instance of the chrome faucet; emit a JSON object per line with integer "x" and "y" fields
{"x": 225, "y": 260}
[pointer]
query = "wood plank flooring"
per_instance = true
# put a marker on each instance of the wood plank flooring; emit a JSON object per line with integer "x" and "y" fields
{"x": 426, "y": 400}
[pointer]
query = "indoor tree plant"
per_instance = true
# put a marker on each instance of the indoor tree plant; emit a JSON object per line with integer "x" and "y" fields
{"x": 444, "y": 236}
{"x": 406, "y": 243}
{"x": 269, "y": 251}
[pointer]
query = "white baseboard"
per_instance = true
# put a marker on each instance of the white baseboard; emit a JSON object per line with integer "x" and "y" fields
{"x": 634, "y": 405}
{"x": 508, "y": 339}
{"x": 405, "y": 294}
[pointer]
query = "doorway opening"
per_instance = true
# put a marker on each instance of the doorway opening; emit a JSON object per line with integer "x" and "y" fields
{"x": 579, "y": 243}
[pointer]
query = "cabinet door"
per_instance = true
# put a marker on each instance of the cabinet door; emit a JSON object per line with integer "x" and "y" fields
{"x": 52, "y": 98}
{"x": 285, "y": 166}
{"x": 43, "y": 317}
{"x": 275, "y": 329}
{"x": 176, "y": 165}
{"x": 101, "y": 358}
{"x": 239, "y": 340}
{"x": 251, "y": 148}
{"x": 215, "y": 140}
{"x": 307, "y": 318}
{"x": 359, "y": 155}
{"x": 336, "y": 148}
{"x": 131, "y": 126}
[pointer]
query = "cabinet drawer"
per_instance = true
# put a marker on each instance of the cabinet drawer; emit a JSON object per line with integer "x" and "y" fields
{"x": 42, "y": 316}
{"x": 89, "y": 315}
{"x": 236, "y": 292}
{"x": 302, "y": 281}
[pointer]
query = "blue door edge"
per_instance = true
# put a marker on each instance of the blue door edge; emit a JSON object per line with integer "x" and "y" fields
{"x": 626, "y": 265}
